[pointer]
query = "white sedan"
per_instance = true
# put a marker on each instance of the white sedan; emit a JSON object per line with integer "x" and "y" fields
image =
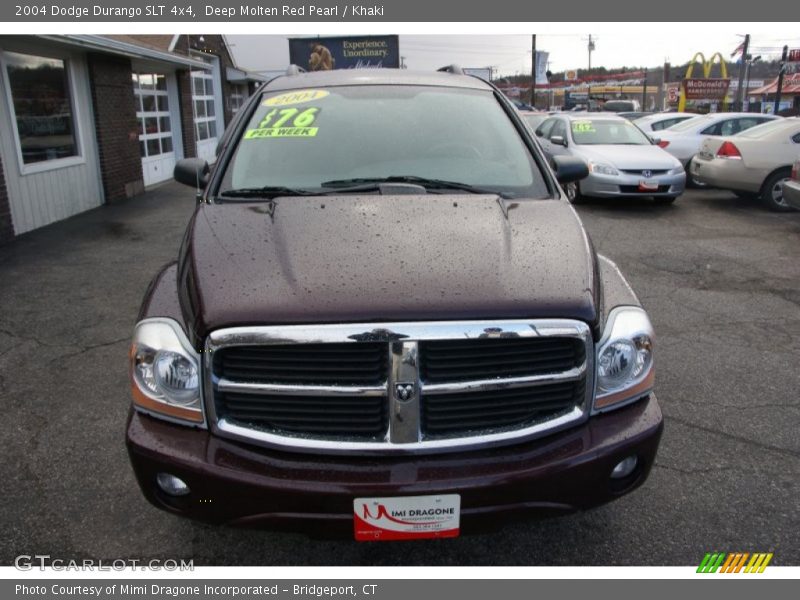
{"x": 683, "y": 140}
{"x": 755, "y": 162}
{"x": 662, "y": 120}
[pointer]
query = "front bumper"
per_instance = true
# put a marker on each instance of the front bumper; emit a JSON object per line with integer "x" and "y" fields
{"x": 791, "y": 193}
{"x": 238, "y": 484}
{"x": 625, "y": 184}
{"x": 726, "y": 174}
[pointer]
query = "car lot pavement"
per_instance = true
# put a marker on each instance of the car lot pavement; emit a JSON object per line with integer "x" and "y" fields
{"x": 719, "y": 276}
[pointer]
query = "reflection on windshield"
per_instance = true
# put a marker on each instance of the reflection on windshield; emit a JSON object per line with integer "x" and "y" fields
{"x": 303, "y": 138}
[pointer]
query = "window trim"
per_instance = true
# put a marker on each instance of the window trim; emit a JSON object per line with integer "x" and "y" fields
{"x": 72, "y": 76}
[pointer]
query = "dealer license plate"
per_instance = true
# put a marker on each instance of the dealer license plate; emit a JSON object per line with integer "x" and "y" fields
{"x": 648, "y": 185}
{"x": 406, "y": 518}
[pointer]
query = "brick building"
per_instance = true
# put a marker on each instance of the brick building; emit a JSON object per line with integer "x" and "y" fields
{"x": 88, "y": 120}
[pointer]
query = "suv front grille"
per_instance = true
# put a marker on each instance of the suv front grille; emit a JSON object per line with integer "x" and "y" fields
{"x": 474, "y": 412}
{"x": 462, "y": 360}
{"x": 399, "y": 386}
{"x": 336, "y": 416}
{"x": 320, "y": 364}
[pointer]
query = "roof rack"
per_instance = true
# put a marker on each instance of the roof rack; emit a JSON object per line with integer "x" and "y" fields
{"x": 294, "y": 70}
{"x": 454, "y": 69}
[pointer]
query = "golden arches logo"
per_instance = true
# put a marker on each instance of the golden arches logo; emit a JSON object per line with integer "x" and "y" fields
{"x": 707, "y": 66}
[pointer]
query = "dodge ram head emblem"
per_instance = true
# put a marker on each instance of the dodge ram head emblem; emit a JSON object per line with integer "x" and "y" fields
{"x": 647, "y": 173}
{"x": 404, "y": 391}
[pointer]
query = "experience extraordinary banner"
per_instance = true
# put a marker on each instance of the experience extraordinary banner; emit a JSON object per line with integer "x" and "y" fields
{"x": 349, "y": 52}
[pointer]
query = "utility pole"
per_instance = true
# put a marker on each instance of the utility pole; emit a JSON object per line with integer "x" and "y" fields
{"x": 533, "y": 70}
{"x": 590, "y": 47}
{"x": 644, "y": 90}
{"x": 740, "y": 91}
{"x": 780, "y": 80}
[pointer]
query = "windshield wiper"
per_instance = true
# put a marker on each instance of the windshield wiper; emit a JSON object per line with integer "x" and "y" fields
{"x": 267, "y": 192}
{"x": 432, "y": 185}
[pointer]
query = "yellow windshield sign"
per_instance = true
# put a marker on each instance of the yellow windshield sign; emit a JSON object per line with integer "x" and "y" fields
{"x": 272, "y": 132}
{"x": 583, "y": 127}
{"x": 295, "y": 97}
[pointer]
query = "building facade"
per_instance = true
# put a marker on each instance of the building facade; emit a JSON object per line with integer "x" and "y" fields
{"x": 87, "y": 120}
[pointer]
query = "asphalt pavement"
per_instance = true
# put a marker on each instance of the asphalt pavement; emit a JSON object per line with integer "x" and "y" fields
{"x": 719, "y": 276}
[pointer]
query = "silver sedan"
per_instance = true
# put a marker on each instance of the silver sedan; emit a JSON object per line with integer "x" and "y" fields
{"x": 622, "y": 160}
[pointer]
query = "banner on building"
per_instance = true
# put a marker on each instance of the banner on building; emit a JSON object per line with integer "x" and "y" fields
{"x": 350, "y": 52}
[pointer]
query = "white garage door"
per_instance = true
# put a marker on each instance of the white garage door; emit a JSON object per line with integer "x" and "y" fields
{"x": 155, "y": 126}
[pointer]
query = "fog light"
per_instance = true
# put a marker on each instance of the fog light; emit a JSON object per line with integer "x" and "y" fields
{"x": 623, "y": 468}
{"x": 172, "y": 485}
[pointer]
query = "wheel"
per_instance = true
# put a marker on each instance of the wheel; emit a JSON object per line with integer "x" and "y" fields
{"x": 573, "y": 192}
{"x": 772, "y": 191}
{"x": 665, "y": 199}
{"x": 690, "y": 179}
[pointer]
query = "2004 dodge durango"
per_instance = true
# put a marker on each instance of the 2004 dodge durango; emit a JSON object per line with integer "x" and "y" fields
{"x": 386, "y": 321}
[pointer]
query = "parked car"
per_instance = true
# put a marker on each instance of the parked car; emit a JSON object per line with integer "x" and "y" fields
{"x": 621, "y": 106}
{"x": 633, "y": 115}
{"x": 754, "y": 162}
{"x": 791, "y": 187}
{"x": 684, "y": 139}
{"x": 385, "y": 318}
{"x": 533, "y": 118}
{"x": 622, "y": 160}
{"x": 663, "y": 120}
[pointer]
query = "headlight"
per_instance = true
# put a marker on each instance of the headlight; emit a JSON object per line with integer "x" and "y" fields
{"x": 602, "y": 169}
{"x": 677, "y": 170}
{"x": 624, "y": 358}
{"x": 165, "y": 371}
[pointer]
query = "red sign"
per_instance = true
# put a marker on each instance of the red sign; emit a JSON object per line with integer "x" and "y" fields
{"x": 706, "y": 89}
{"x": 794, "y": 55}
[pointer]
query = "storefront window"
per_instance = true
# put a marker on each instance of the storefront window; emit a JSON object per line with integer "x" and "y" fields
{"x": 40, "y": 92}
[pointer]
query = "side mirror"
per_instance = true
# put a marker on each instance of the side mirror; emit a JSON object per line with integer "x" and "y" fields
{"x": 192, "y": 172}
{"x": 570, "y": 168}
{"x": 558, "y": 140}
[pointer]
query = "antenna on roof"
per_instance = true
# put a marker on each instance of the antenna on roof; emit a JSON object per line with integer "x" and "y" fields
{"x": 454, "y": 69}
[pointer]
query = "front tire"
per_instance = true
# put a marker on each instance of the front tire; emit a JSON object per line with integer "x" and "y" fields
{"x": 573, "y": 192}
{"x": 772, "y": 192}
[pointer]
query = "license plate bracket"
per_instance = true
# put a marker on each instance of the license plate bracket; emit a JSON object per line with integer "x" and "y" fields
{"x": 407, "y": 517}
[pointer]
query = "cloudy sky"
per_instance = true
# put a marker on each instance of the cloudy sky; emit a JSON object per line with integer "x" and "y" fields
{"x": 631, "y": 45}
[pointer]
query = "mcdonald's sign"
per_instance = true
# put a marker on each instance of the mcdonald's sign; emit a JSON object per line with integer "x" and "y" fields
{"x": 734, "y": 562}
{"x": 705, "y": 87}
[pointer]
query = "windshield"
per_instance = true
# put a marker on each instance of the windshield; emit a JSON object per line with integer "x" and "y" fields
{"x": 595, "y": 131}
{"x": 691, "y": 123}
{"x": 765, "y": 129}
{"x": 307, "y": 138}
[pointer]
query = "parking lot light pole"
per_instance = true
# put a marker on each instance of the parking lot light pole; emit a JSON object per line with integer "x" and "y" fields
{"x": 781, "y": 73}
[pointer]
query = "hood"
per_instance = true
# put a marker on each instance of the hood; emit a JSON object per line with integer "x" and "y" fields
{"x": 373, "y": 258}
{"x": 630, "y": 157}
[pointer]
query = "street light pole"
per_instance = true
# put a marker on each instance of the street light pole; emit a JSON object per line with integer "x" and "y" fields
{"x": 590, "y": 47}
{"x": 533, "y": 70}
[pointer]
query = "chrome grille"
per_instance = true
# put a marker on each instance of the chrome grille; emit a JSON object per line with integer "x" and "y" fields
{"x": 398, "y": 387}
{"x": 462, "y": 360}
